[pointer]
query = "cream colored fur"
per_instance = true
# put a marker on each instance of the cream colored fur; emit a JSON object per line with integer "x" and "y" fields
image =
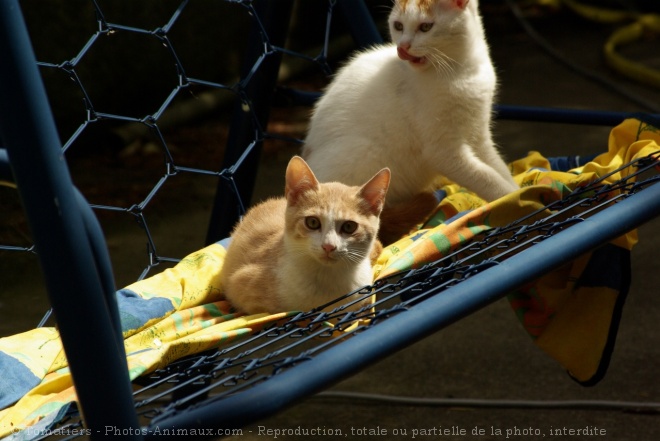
{"x": 276, "y": 262}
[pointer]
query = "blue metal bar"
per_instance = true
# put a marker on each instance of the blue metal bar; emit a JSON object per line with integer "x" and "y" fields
{"x": 563, "y": 115}
{"x": 273, "y": 18}
{"x": 519, "y": 113}
{"x": 362, "y": 27}
{"x": 432, "y": 315}
{"x": 69, "y": 243}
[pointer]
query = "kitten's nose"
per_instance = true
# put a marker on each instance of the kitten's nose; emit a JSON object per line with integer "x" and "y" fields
{"x": 328, "y": 247}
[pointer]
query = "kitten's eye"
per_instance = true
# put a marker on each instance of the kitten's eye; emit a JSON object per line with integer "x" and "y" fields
{"x": 425, "y": 27}
{"x": 349, "y": 227}
{"x": 398, "y": 25}
{"x": 313, "y": 223}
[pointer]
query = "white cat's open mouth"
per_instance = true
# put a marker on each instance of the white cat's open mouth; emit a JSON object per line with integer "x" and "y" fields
{"x": 407, "y": 56}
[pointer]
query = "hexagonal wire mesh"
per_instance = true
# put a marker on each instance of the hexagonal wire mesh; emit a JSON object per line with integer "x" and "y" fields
{"x": 146, "y": 121}
{"x": 206, "y": 390}
{"x": 115, "y": 102}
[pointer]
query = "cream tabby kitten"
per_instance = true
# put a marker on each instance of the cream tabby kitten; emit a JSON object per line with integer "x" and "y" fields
{"x": 303, "y": 250}
{"x": 420, "y": 106}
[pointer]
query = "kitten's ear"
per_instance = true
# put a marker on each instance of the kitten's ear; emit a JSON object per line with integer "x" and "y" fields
{"x": 374, "y": 191}
{"x": 299, "y": 179}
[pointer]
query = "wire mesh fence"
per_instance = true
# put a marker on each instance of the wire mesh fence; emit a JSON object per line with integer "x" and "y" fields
{"x": 211, "y": 378}
{"x": 167, "y": 95}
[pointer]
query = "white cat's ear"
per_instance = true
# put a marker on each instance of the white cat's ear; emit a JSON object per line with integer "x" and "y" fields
{"x": 374, "y": 191}
{"x": 459, "y": 4}
{"x": 299, "y": 179}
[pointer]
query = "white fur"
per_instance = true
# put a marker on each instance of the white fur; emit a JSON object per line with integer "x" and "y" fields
{"x": 420, "y": 120}
{"x": 309, "y": 284}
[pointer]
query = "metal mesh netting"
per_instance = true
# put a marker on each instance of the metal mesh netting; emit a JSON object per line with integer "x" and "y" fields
{"x": 214, "y": 376}
{"x": 111, "y": 105}
{"x": 238, "y": 365}
{"x": 209, "y": 378}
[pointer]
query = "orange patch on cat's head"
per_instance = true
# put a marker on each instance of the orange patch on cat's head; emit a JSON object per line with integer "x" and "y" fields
{"x": 426, "y": 6}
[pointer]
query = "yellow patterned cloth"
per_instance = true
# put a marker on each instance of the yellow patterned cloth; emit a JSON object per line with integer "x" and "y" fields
{"x": 573, "y": 312}
{"x": 181, "y": 311}
{"x": 196, "y": 320}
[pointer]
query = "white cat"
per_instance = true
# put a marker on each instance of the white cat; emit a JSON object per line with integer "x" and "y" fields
{"x": 421, "y": 106}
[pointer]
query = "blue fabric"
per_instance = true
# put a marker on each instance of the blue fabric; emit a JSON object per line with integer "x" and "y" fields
{"x": 135, "y": 311}
{"x": 440, "y": 195}
{"x": 225, "y": 242}
{"x": 17, "y": 380}
{"x": 456, "y": 216}
{"x": 566, "y": 163}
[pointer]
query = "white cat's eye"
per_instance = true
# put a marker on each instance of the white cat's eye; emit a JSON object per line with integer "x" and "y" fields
{"x": 313, "y": 223}
{"x": 398, "y": 25}
{"x": 349, "y": 227}
{"x": 425, "y": 27}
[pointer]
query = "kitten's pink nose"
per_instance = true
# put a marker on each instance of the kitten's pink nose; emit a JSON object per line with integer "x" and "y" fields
{"x": 328, "y": 247}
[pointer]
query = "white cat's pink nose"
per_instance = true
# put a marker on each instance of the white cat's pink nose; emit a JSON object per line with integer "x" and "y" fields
{"x": 328, "y": 247}
{"x": 407, "y": 56}
{"x": 402, "y": 52}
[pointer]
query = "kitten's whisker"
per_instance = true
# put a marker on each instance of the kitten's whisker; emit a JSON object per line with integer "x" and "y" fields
{"x": 355, "y": 255}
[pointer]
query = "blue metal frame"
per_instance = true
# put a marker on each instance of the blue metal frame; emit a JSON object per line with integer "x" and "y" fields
{"x": 362, "y": 27}
{"x": 67, "y": 236}
{"x": 241, "y": 156}
{"x": 78, "y": 272}
{"x": 365, "y": 348}
{"x": 567, "y": 116}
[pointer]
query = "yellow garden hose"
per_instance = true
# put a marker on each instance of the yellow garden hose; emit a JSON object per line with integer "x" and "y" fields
{"x": 602, "y": 15}
{"x": 627, "y": 34}
{"x": 639, "y": 26}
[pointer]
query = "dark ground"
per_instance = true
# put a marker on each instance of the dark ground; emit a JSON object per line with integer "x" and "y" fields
{"x": 486, "y": 355}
